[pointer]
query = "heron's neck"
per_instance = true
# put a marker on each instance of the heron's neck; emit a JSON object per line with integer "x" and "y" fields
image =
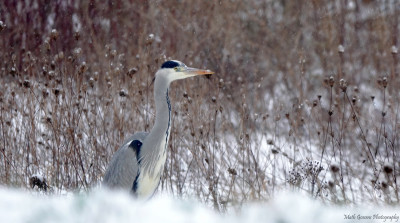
{"x": 163, "y": 114}
{"x": 162, "y": 125}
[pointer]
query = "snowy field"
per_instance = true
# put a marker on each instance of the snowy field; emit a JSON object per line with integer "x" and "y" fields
{"x": 105, "y": 206}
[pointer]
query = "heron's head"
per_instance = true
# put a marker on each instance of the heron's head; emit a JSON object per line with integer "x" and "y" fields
{"x": 175, "y": 70}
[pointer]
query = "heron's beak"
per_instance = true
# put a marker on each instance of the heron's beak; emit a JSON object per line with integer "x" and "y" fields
{"x": 194, "y": 71}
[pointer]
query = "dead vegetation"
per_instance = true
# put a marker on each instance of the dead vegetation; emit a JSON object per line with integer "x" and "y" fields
{"x": 297, "y": 83}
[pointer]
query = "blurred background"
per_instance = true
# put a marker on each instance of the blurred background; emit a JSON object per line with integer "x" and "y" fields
{"x": 305, "y": 95}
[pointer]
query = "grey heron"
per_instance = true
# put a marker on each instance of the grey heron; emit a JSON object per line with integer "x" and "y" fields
{"x": 138, "y": 163}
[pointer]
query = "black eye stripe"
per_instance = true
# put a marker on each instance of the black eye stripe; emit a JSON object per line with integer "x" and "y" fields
{"x": 170, "y": 64}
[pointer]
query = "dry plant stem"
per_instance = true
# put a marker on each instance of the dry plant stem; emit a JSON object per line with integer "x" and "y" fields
{"x": 394, "y": 158}
{"x": 382, "y": 125}
{"x": 326, "y": 131}
{"x": 368, "y": 152}
{"x": 341, "y": 145}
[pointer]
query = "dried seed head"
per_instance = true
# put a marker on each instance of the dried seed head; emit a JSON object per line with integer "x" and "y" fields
{"x": 107, "y": 47}
{"x": 255, "y": 116}
{"x": 51, "y": 74}
{"x": 117, "y": 71}
{"x": 56, "y": 91}
{"x": 96, "y": 75}
{"x": 61, "y": 55}
{"x": 331, "y": 81}
{"x": 91, "y": 82}
{"x": 341, "y": 48}
{"x": 334, "y": 168}
{"x": 394, "y": 49}
{"x": 82, "y": 67}
{"x": 47, "y": 44}
{"x": 54, "y": 34}
{"x": 384, "y": 82}
{"x": 121, "y": 57}
{"x": 13, "y": 71}
{"x": 123, "y": 93}
{"x": 77, "y": 51}
{"x": 343, "y": 85}
{"x": 53, "y": 65}
{"x": 221, "y": 83}
{"x": 384, "y": 185}
{"x": 274, "y": 151}
{"x": 45, "y": 93}
{"x": 27, "y": 84}
{"x": 132, "y": 71}
{"x": 354, "y": 117}
{"x": 150, "y": 39}
{"x": 77, "y": 35}
{"x": 108, "y": 78}
{"x": 113, "y": 53}
{"x": 70, "y": 59}
{"x": 232, "y": 171}
{"x": 387, "y": 169}
{"x": 2, "y": 26}
{"x": 330, "y": 112}
{"x": 354, "y": 100}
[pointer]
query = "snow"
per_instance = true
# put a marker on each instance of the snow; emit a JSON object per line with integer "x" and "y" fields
{"x": 106, "y": 206}
{"x": 38, "y": 176}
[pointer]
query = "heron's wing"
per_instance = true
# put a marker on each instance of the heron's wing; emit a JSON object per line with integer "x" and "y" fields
{"x": 123, "y": 168}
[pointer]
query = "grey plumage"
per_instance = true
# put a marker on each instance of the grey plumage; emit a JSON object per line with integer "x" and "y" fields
{"x": 122, "y": 171}
{"x": 138, "y": 164}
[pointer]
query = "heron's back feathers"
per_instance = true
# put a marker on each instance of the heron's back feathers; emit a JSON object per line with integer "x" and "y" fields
{"x": 123, "y": 168}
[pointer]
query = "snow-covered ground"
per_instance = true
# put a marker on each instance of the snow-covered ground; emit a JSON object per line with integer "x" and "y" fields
{"x": 105, "y": 206}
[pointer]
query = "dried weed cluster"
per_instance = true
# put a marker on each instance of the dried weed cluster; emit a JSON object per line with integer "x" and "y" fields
{"x": 305, "y": 96}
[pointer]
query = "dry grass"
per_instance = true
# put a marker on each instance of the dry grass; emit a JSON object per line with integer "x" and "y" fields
{"x": 305, "y": 96}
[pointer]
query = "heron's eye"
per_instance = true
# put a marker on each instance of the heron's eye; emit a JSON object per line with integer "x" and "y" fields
{"x": 176, "y": 68}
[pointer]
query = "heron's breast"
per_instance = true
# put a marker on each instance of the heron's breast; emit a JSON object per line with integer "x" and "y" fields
{"x": 149, "y": 180}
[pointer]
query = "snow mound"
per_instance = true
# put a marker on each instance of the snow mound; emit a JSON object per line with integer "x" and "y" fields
{"x": 105, "y": 206}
